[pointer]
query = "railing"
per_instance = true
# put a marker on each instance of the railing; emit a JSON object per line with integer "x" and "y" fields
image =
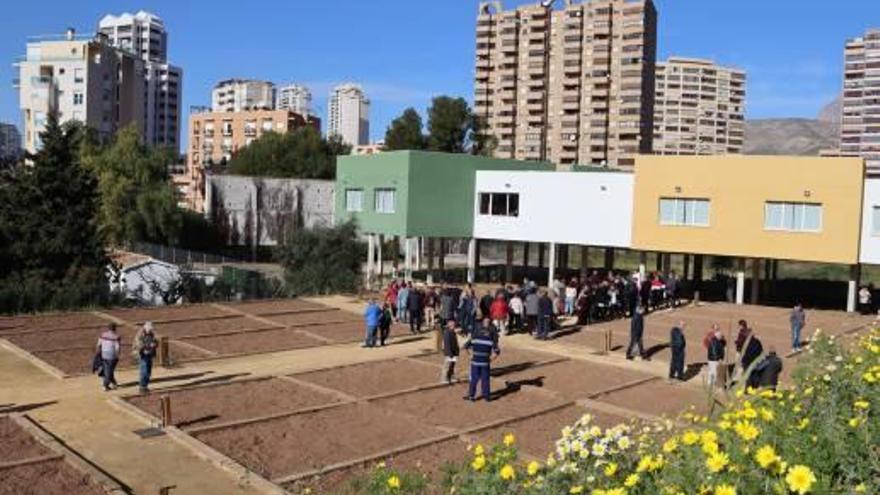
{"x": 179, "y": 256}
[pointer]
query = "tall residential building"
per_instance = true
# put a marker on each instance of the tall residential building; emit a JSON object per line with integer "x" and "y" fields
{"x": 144, "y": 35}
{"x": 10, "y": 141}
{"x": 295, "y": 98}
{"x": 860, "y": 123}
{"x": 235, "y": 95}
{"x": 698, "y": 108}
{"x": 79, "y": 78}
{"x": 571, "y": 85}
{"x": 349, "y": 114}
{"x": 214, "y": 137}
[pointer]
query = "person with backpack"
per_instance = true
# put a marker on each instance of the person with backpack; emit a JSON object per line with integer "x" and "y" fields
{"x": 109, "y": 346}
{"x": 715, "y": 346}
{"x": 144, "y": 350}
{"x": 450, "y": 353}
{"x": 677, "y": 344}
{"x": 766, "y": 373}
{"x": 386, "y": 318}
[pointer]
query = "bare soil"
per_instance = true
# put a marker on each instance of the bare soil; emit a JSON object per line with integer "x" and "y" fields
{"x": 275, "y": 306}
{"x": 16, "y": 444}
{"x": 279, "y": 339}
{"x": 511, "y": 359}
{"x": 47, "y": 478}
{"x": 428, "y": 461}
{"x": 345, "y": 332}
{"x": 233, "y": 401}
{"x": 205, "y": 327}
{"x": 536, "y": 436}
{"x": 304, "y": 442}
{"x": 79, "y": 361}
{"x": 659, "y": 398}
{"x": 573, "y": 379}
{"x": 315, "y": 318}
{"x": 373, "y": 378}
{"x": 51, "y": 340}
{"x": 444, "y": 406}
{"x": 184, "y": 312}
{"x": 52, "y": 321}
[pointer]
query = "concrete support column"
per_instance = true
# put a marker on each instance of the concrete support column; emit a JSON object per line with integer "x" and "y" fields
{"x": 756, "y": 281}
{"x": 380, "y": 240}
{"x": 472, "y": 261}
{"x": 551, "y": 265}
{"x": 526, "y": 247}
{"x": 609, "y": 259}
{"x": 541, "y": 249}
{"x": 441, "y": 262}
{"x": 407, "y": 258}
{"x": 643, "y": 266}
{"x": 508, "y": 265}
{"x": 419, "y": 246}
{"x": 585, "y": 262}
{"x": 430, "y": 277}
{"x": 371, "y": 256}
{"x": 852, "y": 287}
{"x": 740, "y": 281}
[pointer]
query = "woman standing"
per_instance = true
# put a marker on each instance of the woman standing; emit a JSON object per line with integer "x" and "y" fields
{"x": 144, "y": 349}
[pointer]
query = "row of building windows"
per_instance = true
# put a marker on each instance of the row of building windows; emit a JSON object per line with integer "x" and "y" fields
{"x": 778, "y": 215}
{"x": 384, "y": 200}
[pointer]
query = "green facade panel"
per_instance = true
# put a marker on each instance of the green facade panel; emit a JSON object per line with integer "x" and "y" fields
{"x": 434, "y": 191}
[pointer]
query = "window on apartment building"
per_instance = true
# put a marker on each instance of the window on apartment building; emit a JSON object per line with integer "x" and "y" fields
{"x": 684, "y": 211}
{"x": 499, "y": 204}
{"x": 78, "y": 76}
{"x": 792, "y": 217}
{"x": 77, "y": 98}
{"x": 354, "y": 200}
{"x": 385, "y": 200}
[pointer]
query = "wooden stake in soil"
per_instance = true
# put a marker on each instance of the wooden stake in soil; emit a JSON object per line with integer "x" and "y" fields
{"x": 165, "y": 406}
{"x": 164, "y": 356}
{"x": 606, "y": 342}
{"x": 166, "y": 490}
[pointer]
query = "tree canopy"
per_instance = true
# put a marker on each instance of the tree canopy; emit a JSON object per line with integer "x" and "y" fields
{"x": 405, "y": 132}
{"x": 450, "y": 125}
{"x": 302, "y": 154}
{"x": 51, "y": 250}
{"x": 322, "y": 260}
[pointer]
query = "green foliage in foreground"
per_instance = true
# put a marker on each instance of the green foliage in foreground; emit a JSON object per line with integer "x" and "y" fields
{"x": 322, "y": 260}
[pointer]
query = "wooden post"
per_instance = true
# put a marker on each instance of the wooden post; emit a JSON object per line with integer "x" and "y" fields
{"x": 165, "y": 404}
{"x": 166, "y": 490}
{"x": 606, "y": 342}
{"x": 164, "y": 355}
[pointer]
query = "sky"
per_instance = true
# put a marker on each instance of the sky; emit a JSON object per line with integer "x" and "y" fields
{"x": 405, "y": 52}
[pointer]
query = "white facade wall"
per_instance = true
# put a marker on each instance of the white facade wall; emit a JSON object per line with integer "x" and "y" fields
{"x": 583, "y": 208}
{"x": 295, "y": 98}
{"x": 870, "y": 248}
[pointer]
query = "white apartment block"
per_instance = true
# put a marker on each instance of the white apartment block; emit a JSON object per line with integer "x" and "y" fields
{"x": 10, "y": 141}
{"x": 349, "y": 114}
{"x": 699, "y": 108}
{"x": 295, "y": 98}
{"x": 860, "y": 122}
{"x": 79, "y": 78}
{"x": 235, "y": 95}
{"x": 144, "y": 35}
{"x": 573, "y": 85}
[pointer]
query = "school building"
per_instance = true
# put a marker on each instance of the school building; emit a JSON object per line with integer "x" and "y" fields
{"x": 756, "y": 209}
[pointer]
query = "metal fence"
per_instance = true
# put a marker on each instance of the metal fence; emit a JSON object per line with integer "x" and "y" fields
{"x": 180, "y": 256}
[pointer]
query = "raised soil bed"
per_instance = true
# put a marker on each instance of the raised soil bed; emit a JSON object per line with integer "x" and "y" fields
{"x": 279, "y": 339}
{"x": 272, "y": 306}
{"x": 202, "y": 406}
{"x": 66, "y": 339}
{"x": 315, "y": 318}
{"x": 373, "y": 378}
{"x": 180, "y": 329}
{"x": 51, "y": 321}
{"x": 16, "y": 444}
{"x": 573, "y": 379}
{"x": 305, "y": 442}
{"x": 659, "y": 398}
{"x": 79, "y": 361}
{"x": 47, "y": 478}
{"x": 185, "y": 312}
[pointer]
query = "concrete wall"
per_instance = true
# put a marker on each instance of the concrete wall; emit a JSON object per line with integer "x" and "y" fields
{"x": 585, "y": 208}
{"x": 870, "y": 246}
{"x": 264, "y": 208}
{"x": 738, "y": 188}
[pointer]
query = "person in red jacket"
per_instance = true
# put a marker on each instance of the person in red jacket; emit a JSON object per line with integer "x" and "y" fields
{"x": 498, "y": 311}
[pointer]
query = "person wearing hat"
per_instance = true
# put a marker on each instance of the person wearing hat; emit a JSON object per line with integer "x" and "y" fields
{"x": 144, "y": 350}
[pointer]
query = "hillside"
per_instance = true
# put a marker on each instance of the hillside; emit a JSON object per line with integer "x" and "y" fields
{"x": 789, "y": 136}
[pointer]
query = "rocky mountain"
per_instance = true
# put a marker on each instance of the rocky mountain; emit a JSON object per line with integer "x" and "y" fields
{"x": 831, "y": 112}
{"x": 789, "y": 136}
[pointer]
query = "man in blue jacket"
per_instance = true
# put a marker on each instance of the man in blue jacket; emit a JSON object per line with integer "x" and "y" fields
{"x": 483, "y": 347}
{"x": 372, "y": 315}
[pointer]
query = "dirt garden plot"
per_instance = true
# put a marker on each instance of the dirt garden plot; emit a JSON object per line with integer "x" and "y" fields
{"x": 30, "y": 466}
{"x": 428, "y": 460}
{"x": 201, "y": 406}
{"x": 512, "y": 359}
{"x": 315, "y": 318}
{"x": 168, "y": 313}
{"x": 65, "y": 339}
{"x": 274, "y": 306}
{"x": 574, "y": 379}
{"x": 79, "y": 361}
{"x": 343, "y": 333}
{"x": 305, "y": 442}
{"x": 271, "y": 340}
{"x": 659, "y": 398}
{"x": 213, "y": 326}
{"x": 374, "y": 378}
{"x": 51, "y": 322}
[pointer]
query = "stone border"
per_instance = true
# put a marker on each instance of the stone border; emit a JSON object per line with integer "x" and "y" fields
{"x": 73, "y": 458}
{"x": 39, "y": 363}
{"x": 29, "y": 461}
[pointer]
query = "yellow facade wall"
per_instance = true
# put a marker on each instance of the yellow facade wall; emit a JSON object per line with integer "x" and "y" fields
{"x": 737, "y": 188}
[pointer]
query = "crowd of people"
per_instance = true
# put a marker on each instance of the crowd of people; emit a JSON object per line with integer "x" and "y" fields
{"x": 109, "y": 350}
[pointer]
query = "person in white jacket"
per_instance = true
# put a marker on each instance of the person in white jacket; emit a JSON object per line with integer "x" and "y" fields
{"x": 516, "y": 313}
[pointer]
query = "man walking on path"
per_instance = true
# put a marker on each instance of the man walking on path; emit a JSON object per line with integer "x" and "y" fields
{"x": 144, "y": 349}
{"x": 403, "y": 303}
{"x": 532, "y": 307}
{"x": 636, "y": 333}
{"x": 716, "y": 346}
{"x": 109, "y": 345}
{"x": 450, "y": 353}
{"x": 545, "y": 316}
{"x": 677, "y": 344}
{"x": 431, "y": 302}
{"x": 797, "y": 319}
{"x": 498, "y": 311}
{"x": 414, "y": 307}
{"x": 483, "y": 347}
{"x": 372, "y": 315}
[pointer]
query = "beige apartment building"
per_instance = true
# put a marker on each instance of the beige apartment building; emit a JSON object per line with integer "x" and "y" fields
{"x": 699, "y": 108}
{"x": 573, "y": 85}
{"x": 860, "y": 122}
{"x": 214, "y": 137}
